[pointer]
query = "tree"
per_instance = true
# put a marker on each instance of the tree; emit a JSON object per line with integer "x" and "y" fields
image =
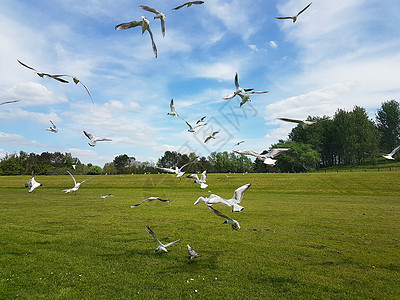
{"x": 123, "y": 163}
{"x": 388, "y": 124}
{"x": 95, "y": 170}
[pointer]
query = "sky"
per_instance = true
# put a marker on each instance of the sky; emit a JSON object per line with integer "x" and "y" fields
{"x": 338, "y": 54}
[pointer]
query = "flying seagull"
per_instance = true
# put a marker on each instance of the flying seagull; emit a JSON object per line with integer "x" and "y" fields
{"x": 201, "y": 181}
{"x": 235, "y": 224}
{"x": 77, "y": 184}
{"x": 267, "y": 157}
{"x": 172, "y": 107}
{"x": 106, "y": 196}
{"x": 188, "y": 4}
{"x": 303, "y": 123}
{"x": 390, "y": 155}
{"x": 52, "y": 128}
{"x": 76, "y": 81}
{"x": 150, "y": 199}
{"x": 234, "y": 201}
{"x": 192, "y": 253}
{"x": 32, "y": 184}
{"x": 93, "y": 139}
{"x": 177, "y": 171}
{"x": 201, "y": 120}
{"x": 158, "y": 15}
{"x": 145, "y": 26}
{"x": 238, "y": 143}
{"x": 160, "y": 246}
{"x": 41, "y": 74}
{"x": 7, "y": 102}
{"x": 246, "y": 97}
{"x": 294, "y": 18}
{"x": 192, "y": 128}
{"x": 212, "y": 136}
{"x": 238, "y": 89}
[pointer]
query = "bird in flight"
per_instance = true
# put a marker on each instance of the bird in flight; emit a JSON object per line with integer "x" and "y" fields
{"x": 177, "y": 171}
{"x": 238, "y": 143}
{"x": 238, "y": 89}
{"x": 160, "y": 246}
{"x": 246, "y": 97}
{"x": 32, "y": 184}
{"x": 294, "y": 18}
{"x": 52, "y": 128}
{"x": 201, "y": 181}
{"x": 158, "y": 15}
{"x": 150, "y": 199}
{"x": 93, "y": 139}
{"x": 172, "y": 107}
{"x": 7, "y": 102}
{"x": 267, "y": 157}
{"x": 145, "y": 26}
{"x": 212, "y": 136}
{"x": 188, "y": 4}
{"x": 303, "y": 123}
{"x": 390, "y": 155}
{"x": 235, "y": 224}
{"x": 76, "y": 184}
{"x": 41, "y": 74}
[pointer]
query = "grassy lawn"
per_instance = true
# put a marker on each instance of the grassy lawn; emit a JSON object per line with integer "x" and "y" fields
{"x": 304, "y": 236}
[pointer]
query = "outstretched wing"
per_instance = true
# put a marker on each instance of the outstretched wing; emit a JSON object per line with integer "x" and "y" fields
{"x": 394, "y": 151}
{"x": 87, "y": 179}
{"x": 152, "y": 42}
{"x": 26, "y": 66}
{"x": 180, "y": 6}
{"x": 218, "y": 213}
{"x": 150, "y": 9}
{"x": 72, "y": 177}
{"x": 169, "y": 244}
{"x": 132, "y": 206}
{"x": 128, "y": 25}
{"x": 193, "y": 176}
{"x": 291, "y": 120}
{"x": 152, "y": 234}
{"x": 7, "y": 102}
{"x": 236, "y": 81}
{"x": 89, "y": 135}
{"x": 304, "y": 9}
{"x": 239, "y": 192}
{"x": 204, "y": 176}
{"x": 276, "y": 151}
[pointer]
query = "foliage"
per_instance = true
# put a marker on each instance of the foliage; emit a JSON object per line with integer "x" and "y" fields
{"x": 95, "y": 170}
{"x": 388, "y": 124}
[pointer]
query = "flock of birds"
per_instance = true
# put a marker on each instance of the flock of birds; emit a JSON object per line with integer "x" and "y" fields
{"x": 243, "y": 93}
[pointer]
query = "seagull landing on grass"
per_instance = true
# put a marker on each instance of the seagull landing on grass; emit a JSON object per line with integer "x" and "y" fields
{"x": 160, "y": 246}
{"x": 172, "y": 107}
{"x": 233, "y": 202}
{"x": 145, "y": 26}
{"x": 390, "y": 155}
{"x": 193, "y": 254}
{"x": 188, "y": 4}
{"x": 201, "y": 181}
{"x": 52, "y": 128}
{"x": 106, "y": 196}
{"x": 158, "y": 15}
{"x": 76, "y": 184}
{"x": 93, "y": 139}
{"x": 235, "y": 224}
{"x": 303, "y": 123}
{"x": 32, "y": 184}
{"x": 294, "y": 18}
{"x": 177, "y": 171}
{"x": 238, "y": 89}
{"x": 267, "y": 157}
{"x": 150, "y": 199}
{"x": 212, "y": 136}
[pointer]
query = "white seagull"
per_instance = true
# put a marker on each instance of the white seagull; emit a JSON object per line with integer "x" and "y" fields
{"x": 238, "y": 89}
{"x": 32, "y": 184}
{"x": 160, "y": 246}
{"x": 41, "y": 74}
{"x": 267, "y": 157}
{"x": 93, "y": 139}
{"x": 390, "y": 155}
{"x": 212, "y": 136}
{"x": 106, "y": 196}
{"x": 172, "y": 107}
{"x": 238, "y": 143}
{"x": 76, "y": 81}
{"x": 201, "y": 181}
{"x": 52, "y": 128}
{"x": 76, "y": 184}
{"x": 294, "y": 18}
{"x": 177, "y": 171}
{"x": 235, "y": 224}
{"x": 246, "y": 97}
{"x": 150, "y": 199}
{"x": 7, "y": 102}
{"x": 192, "y": 128}
{"x": 188, "y": 4}
{"x": 145, "y": 26}
{"x": 192, "y": 253}
{"x": 233, "y": 202}
{"x": 303, "y": 123}
{"x": 158, "y": 15}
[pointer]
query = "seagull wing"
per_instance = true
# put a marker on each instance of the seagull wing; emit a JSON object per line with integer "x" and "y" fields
{"x": 152, "y": 42}
{"x": 282, "y": 18}
{"x": 190, "y": 126}
{"x": 276, "y": 151}
{"x": 7, "y": 102}
{"x": 180, "y": 6}
{"x": 230, "y": 96}
{"x": 236, "y": 81}
{"x": 259, "y": 92}
{"x": 26, "y": 66}
{"x": 171, "y": 105}
{"x": 204, "y": 176}
{"x": 394, "y": 151}
{"x": 128, "y": 25}
{"x": 132, "y": 206}
{"x": 52, "y": 123}
{"x": 169, "y": 244}
{"x": 207, "y": 139}
{"x": 72, "y": 177}
{"x": 150, "y": 9}
{"x": 87, "y": 179}
{"x": 169, "y": 170}
{"x": 218, "y": 213}
{"x": 291, "y": 120}
{"x": 162, "y": 26}
{"x": 89, "y": 135}
{"x": 193, "y": 176}
{"x": 303, "y": 9}
{"x": 239, "y": 192}
{"x": 153, "y": 235}
{"x": 103, "y": 139}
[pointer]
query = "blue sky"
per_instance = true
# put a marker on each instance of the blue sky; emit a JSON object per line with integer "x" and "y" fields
{"x": 337, "y": 55}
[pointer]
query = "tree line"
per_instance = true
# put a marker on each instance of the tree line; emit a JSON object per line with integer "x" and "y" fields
{"x": 348, "y": 138}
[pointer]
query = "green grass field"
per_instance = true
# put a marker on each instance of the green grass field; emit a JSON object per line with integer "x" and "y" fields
{"x": 304, "y": 236}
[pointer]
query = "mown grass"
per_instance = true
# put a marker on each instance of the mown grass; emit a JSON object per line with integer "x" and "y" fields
{"x": 303, "y": 236}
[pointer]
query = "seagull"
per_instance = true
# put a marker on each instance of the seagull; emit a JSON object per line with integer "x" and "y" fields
{"x": 94, "y": 139}
{"x": 192, "y": 253}
{"x": 390, "y": 155}
{"x": 173, "y": 112}
{"x": 52, "y": 128}
{"x": 106, "y": 196}
{"x": 201, "y": 181}
{"x": 235, "y": 224}
{"x": 246, "y": 97}
{"x": 32, "y": 184}
{"x": 76, "y": 81}
{"x": 158, "y": 15}
{"x": 77, "y": 184}
{"x": 212, "y": 136}
{"x": 201, "y": 120}
{"x": 294, "y": 18}
{"x": 267, "y": 157}
{"x": 56, "y": 77}
{"x": 160, "y": 246}
{"x": 188, "y": 4}
{"x": 303, "y": 123}
{"x": 192, "y": 128}
{"x": 177, "y": 171}
{"x": 7, "y": 102}
{"x": 237, "y": 198}
{"x": 238, "y": 89}
{"x": 150, "y": 199}
{"x": 238, "y": 143}
{"x": 145, "y": 26}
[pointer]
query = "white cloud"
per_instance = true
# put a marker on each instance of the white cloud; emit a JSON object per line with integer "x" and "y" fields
{"x": 273, "y": 44}
{"x": 89, "y": 156}
{"x": 11, "y": 139}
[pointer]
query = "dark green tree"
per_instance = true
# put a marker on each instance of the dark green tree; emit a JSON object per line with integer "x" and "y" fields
{"x": 388, "y": 123}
